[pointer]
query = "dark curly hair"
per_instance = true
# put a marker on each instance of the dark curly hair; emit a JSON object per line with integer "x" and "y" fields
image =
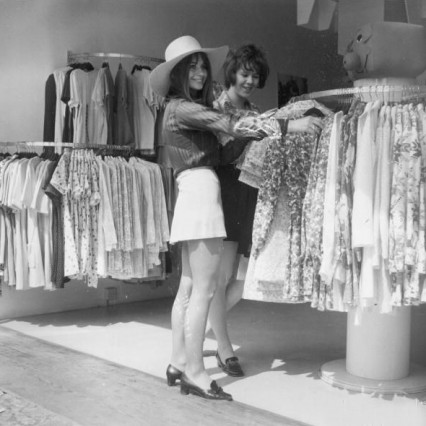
{"x": 249, "y": 57}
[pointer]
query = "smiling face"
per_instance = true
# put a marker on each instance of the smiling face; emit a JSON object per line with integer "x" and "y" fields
{"x": 197, "y": 74}
{"x": 246, "y": 82}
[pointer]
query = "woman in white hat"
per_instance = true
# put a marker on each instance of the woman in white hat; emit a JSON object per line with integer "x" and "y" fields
{"x": 189, "y": 131}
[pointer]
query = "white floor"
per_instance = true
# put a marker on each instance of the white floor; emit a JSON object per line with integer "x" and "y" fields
{"x": 281, "y": 348}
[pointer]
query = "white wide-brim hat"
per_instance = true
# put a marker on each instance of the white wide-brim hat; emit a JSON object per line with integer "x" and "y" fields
{"x": 177, "y": 50}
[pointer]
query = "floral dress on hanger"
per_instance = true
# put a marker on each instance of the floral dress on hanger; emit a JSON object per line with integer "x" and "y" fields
{"x": 285, "y": 174}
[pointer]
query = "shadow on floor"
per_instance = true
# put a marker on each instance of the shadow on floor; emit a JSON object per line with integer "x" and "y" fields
{"x": 294, "y": 340}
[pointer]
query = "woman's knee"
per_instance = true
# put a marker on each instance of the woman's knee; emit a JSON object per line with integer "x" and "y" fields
{"x": 204, "y": 294}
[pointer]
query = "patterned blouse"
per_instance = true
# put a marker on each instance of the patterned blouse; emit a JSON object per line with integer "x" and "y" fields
{"x": 190, "y": 130}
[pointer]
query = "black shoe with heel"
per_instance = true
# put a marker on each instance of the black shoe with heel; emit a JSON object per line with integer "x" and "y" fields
{"x": 173, "y": 374}
{"x": 231, "y": 366}
{"x": 215, "y": 392}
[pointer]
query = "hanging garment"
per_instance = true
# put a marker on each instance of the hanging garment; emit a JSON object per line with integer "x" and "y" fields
{"x": 7, "y": 218}
{"x": 81, "y": 105}
{"x": 145, "y": 106}
{"x": 67, "y": 135}
{"x": 57, "y": 275}
{"x": 107, "y": 237}
{"x": 331, "y": 190}
{"x": 385, "y": 173}
{"x": 123, "y": 133}
{"x": 43, "y": 205}
{"x": 20, "y": 229}
{"x": 347, "y": 266}
{"x": 60, "y": 107}
{"x": 109, "y": 103}
{"x": 404, "y": 207}
{"x": 102, "y": 98}
{"x": 40, "y": 197}
{"x": 49, "y": 109}
{"x": 363, "y": 212}
{"x": 267, "y": 275}
{"x": 35, "y": 259}
{"x": 421, "y": 248}
{"x": 363, "y": 216}
{"x": 60, "y": 181}
{"x": 286, "y": 164}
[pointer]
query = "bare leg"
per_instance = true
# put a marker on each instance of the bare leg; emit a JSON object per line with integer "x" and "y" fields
{"x": 235, "y": 288}
{"x": 234, "y": 293}
{"x": 179, "y": 309}
{"x": 204, "y": 260}
{"x": 219, "y": 306}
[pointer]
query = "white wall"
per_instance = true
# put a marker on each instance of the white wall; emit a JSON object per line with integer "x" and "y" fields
{"x": 35, "y": 36}
{"x": 77, "y": 295}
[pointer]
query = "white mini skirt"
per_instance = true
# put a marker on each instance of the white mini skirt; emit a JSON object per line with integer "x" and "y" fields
{"x": 198, "y": 212}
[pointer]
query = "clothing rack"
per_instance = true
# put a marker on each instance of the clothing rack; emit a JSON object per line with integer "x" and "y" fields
{"x": 370, "y": 367}
{"x": 73, "y": 57}
{"x": 149, "y": 270}
{"x": 386, "y": 93}
{"x": 67, "y": 145}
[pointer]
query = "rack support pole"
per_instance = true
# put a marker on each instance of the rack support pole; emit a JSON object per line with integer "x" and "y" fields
{"x": 378, "y": 344}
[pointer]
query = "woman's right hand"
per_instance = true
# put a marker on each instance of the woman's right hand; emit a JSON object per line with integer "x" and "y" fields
{"x": 309, "y": 124}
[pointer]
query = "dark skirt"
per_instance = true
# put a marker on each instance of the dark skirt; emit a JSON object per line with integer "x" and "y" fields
{"x": 239, "y": 205}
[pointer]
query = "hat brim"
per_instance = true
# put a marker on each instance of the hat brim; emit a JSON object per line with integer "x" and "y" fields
{"x": 160, "y": 76}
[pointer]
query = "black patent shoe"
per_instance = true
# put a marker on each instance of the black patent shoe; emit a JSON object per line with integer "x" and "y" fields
{"x": 215, "y": 392}
{"x": 231, "y": 366}
{"x": 173, "y": 374}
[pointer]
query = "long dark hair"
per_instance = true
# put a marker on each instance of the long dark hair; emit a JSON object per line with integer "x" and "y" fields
{"x": 179, "y": 87}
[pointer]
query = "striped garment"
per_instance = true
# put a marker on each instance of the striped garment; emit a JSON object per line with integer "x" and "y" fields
{"x": 190, "y": 131}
